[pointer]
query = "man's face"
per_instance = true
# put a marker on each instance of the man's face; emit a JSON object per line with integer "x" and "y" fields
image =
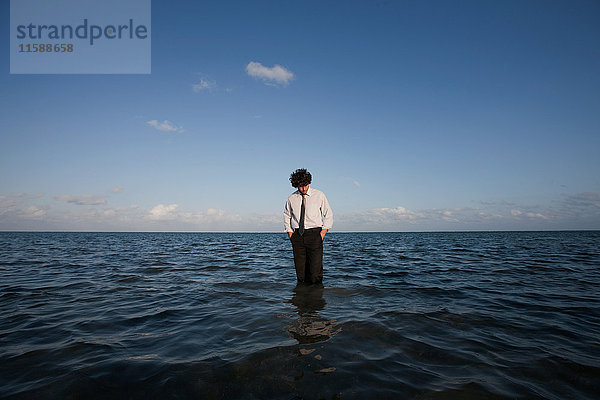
{"x": 303, "y": 189}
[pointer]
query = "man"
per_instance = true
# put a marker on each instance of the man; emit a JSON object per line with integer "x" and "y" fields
{"x": 307, "y": 217}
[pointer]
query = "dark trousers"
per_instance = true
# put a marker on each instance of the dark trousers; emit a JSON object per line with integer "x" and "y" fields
{"x": 308, "y": 255}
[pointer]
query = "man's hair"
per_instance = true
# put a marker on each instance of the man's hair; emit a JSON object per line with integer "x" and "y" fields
{"x": 300, "y": 177}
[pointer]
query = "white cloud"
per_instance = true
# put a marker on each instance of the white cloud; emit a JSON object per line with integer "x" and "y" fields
{"x": 379, "y": 217}
{"x": 33, "y": 212}
{"x": 215, "y": 211}
{"x": 16, "y": 205}
{"x": 586, "y": 199}
{"x": 446, "y": 215}
{"x": 161, "y": 211}
{"x": 536, "y": 215}
{"x": 23, "y": 211}
{"x": 397, "y": 213}
{"x": 212, "y": 219}
{"x": 403, "y": 219}
{"x": 117, "y": 190}
{"x": 519, "y": 213}
{"x": 204, "y": 85}
{"x": 274, "y": 75}
{"x": 7, "y": 204}
{"x": 85, "y": 200}
{"x": 165, "y": 126}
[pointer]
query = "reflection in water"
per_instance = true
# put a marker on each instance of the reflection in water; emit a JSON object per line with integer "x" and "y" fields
{"x": 310, "y": 327}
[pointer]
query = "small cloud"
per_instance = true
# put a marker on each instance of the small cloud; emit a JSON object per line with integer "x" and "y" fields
{"x": 398, "y": 213}
{"x": 356, "y": 183}
{"x": 587, "y": 198}
{"x": 519, "y": 213}
{"x": 117, "y": 190}
{"x": 215, "y": 212}
{"x": 581, "y": 205}
{"x": 387, "y": 215}
{"x": 11, "y": 203}
{"x": 536, "y": 215}
{"x": 165, "y": 126}
{"x": 85, "y": 200}
{"x": 163, "y": 212}
{"x": 274, "y": 75}
{"x": 204, "y": 85}
{"x": 33, "y": 212}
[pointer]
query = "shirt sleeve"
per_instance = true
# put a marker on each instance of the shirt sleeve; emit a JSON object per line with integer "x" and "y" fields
{"x": 287, "y": 216}
{"x": 327, "y": 213}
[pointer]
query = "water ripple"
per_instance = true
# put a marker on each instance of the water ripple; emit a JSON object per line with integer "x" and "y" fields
{"x": 493, "y": 315}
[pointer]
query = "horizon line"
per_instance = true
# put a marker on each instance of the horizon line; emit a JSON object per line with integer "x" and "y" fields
{"x": 278, "y": 232}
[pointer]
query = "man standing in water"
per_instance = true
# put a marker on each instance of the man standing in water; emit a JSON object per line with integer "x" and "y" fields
{"x": 307, "y": 217}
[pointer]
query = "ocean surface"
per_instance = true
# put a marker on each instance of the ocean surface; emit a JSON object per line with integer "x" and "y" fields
{"x": 493, "y": 315}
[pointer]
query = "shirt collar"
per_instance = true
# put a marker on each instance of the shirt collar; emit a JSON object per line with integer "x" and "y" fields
{"x": 308, "y": 192}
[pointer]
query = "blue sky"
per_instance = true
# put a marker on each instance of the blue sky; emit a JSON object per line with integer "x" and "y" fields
{"x": 411, "y": 116}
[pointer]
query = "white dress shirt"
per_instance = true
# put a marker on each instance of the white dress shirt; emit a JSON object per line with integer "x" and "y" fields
{"x": 317, "y": 213}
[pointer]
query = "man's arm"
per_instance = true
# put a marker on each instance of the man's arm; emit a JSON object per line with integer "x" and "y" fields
{"x": 327, "y": 216}
{"x": 287, "y": 218}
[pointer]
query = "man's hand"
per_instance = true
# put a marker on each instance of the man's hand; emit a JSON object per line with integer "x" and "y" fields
{"x": 323, "y": 232}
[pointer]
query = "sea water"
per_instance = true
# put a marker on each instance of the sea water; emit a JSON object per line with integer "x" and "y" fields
{"x": 219, "y": 315}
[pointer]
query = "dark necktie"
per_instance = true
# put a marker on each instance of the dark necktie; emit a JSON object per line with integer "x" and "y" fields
{"x": 301, "y": 227}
